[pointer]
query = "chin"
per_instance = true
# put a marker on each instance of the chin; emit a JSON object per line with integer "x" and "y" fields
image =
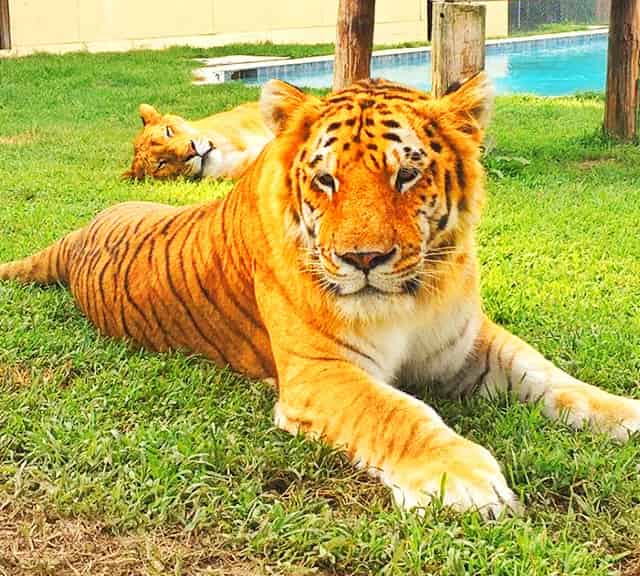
{"x": 372, "y": 306}
{"x": 212, "y": 165}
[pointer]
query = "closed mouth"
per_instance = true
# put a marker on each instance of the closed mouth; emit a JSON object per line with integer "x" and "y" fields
{"x": 368, "y": 290}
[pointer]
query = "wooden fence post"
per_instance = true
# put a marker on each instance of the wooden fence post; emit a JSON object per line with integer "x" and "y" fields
{"x": 623, "y": 70}
{"x": 458, "y": 42}
{"x": 354, "y": 42}
{"x": 5, "y": 28}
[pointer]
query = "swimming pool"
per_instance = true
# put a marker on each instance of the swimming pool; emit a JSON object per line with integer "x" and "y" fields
{"x": 548, "y": 66}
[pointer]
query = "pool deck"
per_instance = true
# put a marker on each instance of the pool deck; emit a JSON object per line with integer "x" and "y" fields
{"x": 219, "y": 70}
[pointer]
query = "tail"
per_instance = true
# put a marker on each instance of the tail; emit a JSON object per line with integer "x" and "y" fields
{"x": 45, "y": 267}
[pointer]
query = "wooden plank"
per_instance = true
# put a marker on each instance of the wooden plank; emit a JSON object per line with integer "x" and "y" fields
{"x": 623, "y": 69}
{"x": 5, "y": 28}
{"x": 354, "y": 42}
{"x": 458, "y": 43}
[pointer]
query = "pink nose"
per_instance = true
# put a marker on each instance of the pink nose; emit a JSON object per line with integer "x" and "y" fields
{"x": 366, "y": 261}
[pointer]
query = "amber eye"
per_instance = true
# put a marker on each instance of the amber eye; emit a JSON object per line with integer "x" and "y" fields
{"x": 325, "y": 182}
{"x": 405, "y": 177}
{"x": 168, "y": 131}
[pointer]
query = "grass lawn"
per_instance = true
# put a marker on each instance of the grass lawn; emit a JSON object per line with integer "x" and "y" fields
{"x": 115, "y": 461}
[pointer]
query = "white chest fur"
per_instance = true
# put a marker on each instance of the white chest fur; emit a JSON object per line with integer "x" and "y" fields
{"x": 431, "y": 344}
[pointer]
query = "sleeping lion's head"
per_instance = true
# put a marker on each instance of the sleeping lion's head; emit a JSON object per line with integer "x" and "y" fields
{"x": 169, "y": 146}
{"x": 383, "y": 183}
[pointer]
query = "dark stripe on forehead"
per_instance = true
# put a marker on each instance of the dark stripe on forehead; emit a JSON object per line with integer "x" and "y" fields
{"x": 360, "y": 122}
{"x": 333, "y": 126}
{"x": 331, "y": 140}
{"x": 344, "y": 96}
{"x": 392, "y": 136}
{"x": 391, "y": 124}
{"x": 391, "y": 97}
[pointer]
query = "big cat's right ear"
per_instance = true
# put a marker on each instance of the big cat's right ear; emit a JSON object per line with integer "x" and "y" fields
{"x": 148, "y": 114}
{"x": 283, "y": 105}
{"x": 470, "y": 100}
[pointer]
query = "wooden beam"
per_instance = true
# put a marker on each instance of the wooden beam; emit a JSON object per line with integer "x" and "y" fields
{"x": 354, "y": 42}
{"x": 623, "y": 69}
{"x": 458, "y": 43}
{"x": 5, "y": 28}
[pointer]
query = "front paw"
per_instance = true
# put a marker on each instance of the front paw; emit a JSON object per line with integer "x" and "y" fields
{"x": 464, "y": 475}
{"x": 617, "y": 416}
{"x": 623, "y": 420}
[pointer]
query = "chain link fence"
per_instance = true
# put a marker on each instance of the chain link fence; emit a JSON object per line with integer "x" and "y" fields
{"x": 526, "y": 15}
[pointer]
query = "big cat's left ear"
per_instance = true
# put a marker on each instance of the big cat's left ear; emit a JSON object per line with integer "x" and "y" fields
{"x": 471, "y": 99}
{"x": 283, "y": 105}
{"x": 148, "y": 114}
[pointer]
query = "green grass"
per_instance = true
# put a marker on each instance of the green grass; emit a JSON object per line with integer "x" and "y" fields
{"x": 555, "y": 28}
{"x": 92, "y": 429}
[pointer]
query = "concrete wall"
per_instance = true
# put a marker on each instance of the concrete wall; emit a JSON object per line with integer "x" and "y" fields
{"x": 98, "y": 25}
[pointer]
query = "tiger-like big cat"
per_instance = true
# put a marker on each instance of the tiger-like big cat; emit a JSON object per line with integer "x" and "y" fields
{"x": 342, "y": 263}
{"x": 219, "y": 146}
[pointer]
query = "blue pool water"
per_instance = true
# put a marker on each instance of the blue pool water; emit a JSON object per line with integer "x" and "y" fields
{"x": 548, "y": 67}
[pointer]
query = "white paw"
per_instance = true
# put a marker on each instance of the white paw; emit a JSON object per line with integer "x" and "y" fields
{"x": 628, "y": 421}
{"x": 463, "y": 475}
{"x": 583, "y": 405}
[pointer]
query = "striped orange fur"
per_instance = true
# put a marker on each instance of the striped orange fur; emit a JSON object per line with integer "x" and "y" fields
{"x": 219, "y": 146}
{"x": 342, "y": 263}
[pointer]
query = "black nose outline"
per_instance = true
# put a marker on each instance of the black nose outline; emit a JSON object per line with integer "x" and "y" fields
{"x": 192, "y": 143}
{"x": 366, "y": 261}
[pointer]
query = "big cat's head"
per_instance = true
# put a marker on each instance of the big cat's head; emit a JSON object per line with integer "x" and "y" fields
{"x": 383, "y": 182}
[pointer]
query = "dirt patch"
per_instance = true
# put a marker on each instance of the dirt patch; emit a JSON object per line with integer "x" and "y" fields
{"x": 38, "y": 543}
{"x": 18, "y": 139}
{"x": 15, "y": 376}
{"x": 20, "y": 376}
{"x": 631, "y": 565}
{"x": 595, "y": 162}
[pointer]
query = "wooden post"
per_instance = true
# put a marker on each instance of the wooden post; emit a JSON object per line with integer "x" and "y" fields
{"x": 354, "y": 42}
{"x": 458, "y": 43}
{"x": 5, "y": 28}
{"x": 623, "y": 68}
